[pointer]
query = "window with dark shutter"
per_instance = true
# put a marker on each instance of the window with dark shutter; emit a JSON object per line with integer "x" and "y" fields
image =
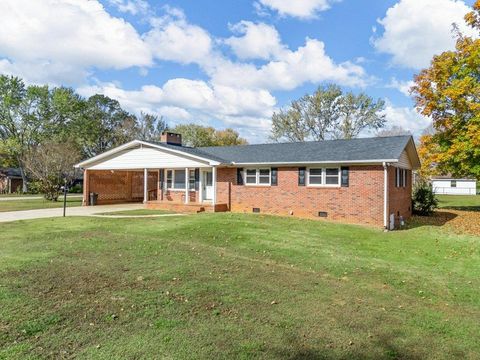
{"x": 345, "y": 181}
{"x": 197, "y": 179}
{"x": 160, "y": 178}
{"x": 301, "y": 176}
{"x": 239, "y": 176}
{"x": 274, "y": 177}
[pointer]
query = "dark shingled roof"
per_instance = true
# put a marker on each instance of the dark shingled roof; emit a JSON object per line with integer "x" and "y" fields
{"x": 10, "y": 172}
{"x": 378, "y": 148}
{"x": 363, "y": 149}
{"x": 192, "y": 151}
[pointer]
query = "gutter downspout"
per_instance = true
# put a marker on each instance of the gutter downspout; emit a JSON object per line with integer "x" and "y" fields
{"x": 385, "y": 196}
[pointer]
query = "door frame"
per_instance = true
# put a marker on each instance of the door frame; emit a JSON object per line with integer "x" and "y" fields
{"x": 203, "y": 184}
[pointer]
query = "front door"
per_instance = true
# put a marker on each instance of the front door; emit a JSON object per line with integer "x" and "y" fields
{"x": 207, "y": 183}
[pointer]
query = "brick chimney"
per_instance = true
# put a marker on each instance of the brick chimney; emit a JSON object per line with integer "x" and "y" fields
{"x": 171, "y": 138}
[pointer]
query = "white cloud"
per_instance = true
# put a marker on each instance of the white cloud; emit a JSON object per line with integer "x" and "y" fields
{"x": 172, "y": 112}
{"x": 402, "y": 86}
{"x": 406, "y": 117}
{"x": 173, "y": 38}
{"x": 44, "y": 72}
{"x": 180, "y": 99}
{"x": 303, "y": 9}
{"x": 309, "y": 63}
{"x": 258, "y": 41}
{"x": 133, "y": 7}
{"x": 416, "y": 30}
{"x": 67, "y": 37}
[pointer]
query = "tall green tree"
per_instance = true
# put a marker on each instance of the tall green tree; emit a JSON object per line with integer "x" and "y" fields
{"x": 33, "y": 115}
{"x": 328, "y": 113}
{"x": 449, "y": 92}
{"x": 22, "y": 114}
{"x": 197, "y": 135}
{"x": 104, "y": 125}
{"x": 150, "y": 127}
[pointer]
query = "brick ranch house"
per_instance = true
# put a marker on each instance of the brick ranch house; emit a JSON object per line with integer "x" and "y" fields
{"x": 363, "y": 181}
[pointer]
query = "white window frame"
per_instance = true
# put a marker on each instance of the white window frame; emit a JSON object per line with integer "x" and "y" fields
{"x": 257, "y": 176}
{"x": 191, "y": 179}
{"x": 190, "y": 172}
{"x": 321, "y": 176}
{"x": 324, "y": 177}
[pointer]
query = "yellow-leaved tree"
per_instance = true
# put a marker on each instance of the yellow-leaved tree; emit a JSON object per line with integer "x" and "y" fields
{"x": 449, "y": 92}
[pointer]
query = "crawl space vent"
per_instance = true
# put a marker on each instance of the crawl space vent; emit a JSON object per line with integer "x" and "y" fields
{"x": 256, "y": 210}
{"x": 322, "y": 214}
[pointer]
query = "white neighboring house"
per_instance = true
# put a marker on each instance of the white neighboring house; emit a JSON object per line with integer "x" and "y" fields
{"x": 451, "y": 186}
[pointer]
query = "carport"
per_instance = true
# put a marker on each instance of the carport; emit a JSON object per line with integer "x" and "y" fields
{"x": 120, "y": 186}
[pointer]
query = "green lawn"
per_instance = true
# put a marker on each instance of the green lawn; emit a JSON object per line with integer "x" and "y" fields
{"x": 460, "y": 202}
{"x": 31, "y": 204}
{"x": 236, "y": 286}
{"x": 138, "y": 212}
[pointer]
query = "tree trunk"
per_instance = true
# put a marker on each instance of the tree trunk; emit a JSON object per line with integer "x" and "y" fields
{"x": 24, "y": 178}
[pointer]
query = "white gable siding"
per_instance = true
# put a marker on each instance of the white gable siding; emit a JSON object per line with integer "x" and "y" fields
{"x": 145, "y": 158}
{"x": 404, "y": 161}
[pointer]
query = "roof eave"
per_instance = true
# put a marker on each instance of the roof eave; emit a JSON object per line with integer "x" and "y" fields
{"x": 415, "y": 159}
{"x": 343, "y": 162}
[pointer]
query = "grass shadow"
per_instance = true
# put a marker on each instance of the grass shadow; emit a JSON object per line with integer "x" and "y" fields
{"x": 384, "y": 348}
{"x": 439, "y": 218}
{"x": 462, "y": 208}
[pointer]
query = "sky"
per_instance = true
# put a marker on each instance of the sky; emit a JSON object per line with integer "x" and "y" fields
{"x": 229, "y": 63}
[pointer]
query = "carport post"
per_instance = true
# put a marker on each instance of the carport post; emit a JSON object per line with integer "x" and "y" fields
{"x": 145, "y": 185}
{"x": 214, "y": 187}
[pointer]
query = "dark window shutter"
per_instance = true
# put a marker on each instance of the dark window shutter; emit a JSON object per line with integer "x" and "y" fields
{"x": 345, "y": 181}
{"x": 239, "y": 176}
{"x": 274, "y": 176}
{"x": 197, "y": 179}
{"x": 162, "y": 172}
{"x": 301, "y": 176}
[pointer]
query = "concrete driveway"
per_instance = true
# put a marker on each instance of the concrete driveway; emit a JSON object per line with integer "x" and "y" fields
{"x": 72, "y": 211}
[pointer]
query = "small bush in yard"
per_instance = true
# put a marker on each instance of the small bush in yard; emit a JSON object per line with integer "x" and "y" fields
{"x": 423, "y": 199}
{"x": 76, "y": 189}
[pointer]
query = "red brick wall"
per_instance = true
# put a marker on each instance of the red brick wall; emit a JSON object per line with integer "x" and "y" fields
{"x": 117, "y": 186}
{"x": 399, "y": 199}
{"x": 177, "y": 196}
{"x": 361, "y": 202}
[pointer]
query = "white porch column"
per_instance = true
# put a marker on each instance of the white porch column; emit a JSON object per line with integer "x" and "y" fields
{"x": 145, "y": 186}
{"x": 187, "y": 180}
{"x": 200, "y": 185}
{"x": 214, "y": 185}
